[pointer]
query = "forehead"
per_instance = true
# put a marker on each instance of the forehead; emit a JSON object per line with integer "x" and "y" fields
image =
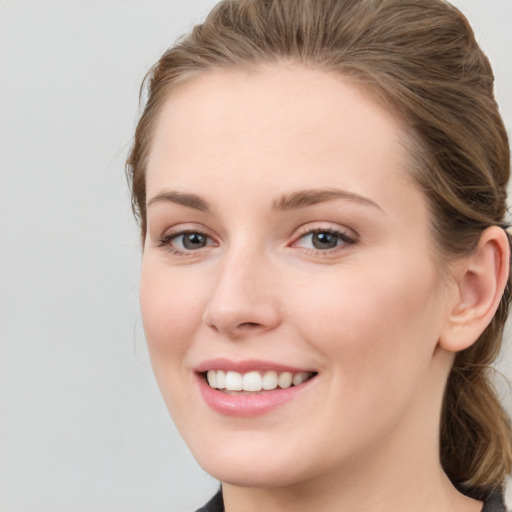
{"x": 279, "y": 124}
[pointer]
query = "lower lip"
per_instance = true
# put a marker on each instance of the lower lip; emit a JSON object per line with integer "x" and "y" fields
{"x": 248, "y": 405}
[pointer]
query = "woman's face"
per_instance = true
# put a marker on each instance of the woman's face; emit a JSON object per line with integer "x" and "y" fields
{"x": 287, "y": 242}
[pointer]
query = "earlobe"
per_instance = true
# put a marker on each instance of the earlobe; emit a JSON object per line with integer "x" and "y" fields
{"x": 481, "y": 279}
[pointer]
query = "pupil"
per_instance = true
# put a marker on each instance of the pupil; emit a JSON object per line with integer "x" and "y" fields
{"x": 324, "y": 240}
{"x": 194, "y": 241}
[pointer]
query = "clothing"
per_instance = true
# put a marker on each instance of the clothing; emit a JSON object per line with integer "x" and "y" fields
{"x": 493, "y": 503}
{"x": 216, "y": 504}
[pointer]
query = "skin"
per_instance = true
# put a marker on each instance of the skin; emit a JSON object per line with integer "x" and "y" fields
{"x": 368, "y": 316}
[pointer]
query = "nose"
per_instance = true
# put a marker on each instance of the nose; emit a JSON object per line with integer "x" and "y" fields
{"x": 243, "y": 300}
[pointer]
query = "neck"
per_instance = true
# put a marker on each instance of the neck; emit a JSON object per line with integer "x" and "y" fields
{"x": 415, "y": 483}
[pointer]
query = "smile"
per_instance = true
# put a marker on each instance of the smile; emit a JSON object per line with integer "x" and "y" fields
{"x": 255, "y": 381}
{"x": 250, "y": 388}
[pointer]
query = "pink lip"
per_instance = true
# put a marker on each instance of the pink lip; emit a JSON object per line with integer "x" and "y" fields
{"x": 246, "y": 405}
{"x": 246, "y": 366}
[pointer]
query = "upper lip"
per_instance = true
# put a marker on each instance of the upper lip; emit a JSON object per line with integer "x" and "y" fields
{"x": 247, "y": 365}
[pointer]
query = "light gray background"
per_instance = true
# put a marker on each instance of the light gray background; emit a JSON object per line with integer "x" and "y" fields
{"x": 82, "y": 424}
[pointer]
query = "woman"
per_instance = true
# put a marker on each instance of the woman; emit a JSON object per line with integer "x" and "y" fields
{"x": 321, "y": 189}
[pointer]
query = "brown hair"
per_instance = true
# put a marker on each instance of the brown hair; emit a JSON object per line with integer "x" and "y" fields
{"x": 421, "y": 59}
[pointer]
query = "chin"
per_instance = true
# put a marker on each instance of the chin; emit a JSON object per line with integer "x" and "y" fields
{"x": 254, "y": 464}
{"x": 243, "y": 474}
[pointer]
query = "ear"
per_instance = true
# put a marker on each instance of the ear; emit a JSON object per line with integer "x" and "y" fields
{"x": 481, "y": 278}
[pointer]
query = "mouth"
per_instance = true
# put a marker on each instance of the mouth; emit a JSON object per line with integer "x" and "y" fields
{"x": 254, "y": 381}
{"x": 251, "y": 388}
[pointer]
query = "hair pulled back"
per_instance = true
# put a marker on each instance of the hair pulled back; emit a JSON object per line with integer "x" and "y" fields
{"x": 422, "y": 61}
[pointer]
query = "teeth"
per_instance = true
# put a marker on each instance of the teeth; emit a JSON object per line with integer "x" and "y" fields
{"x": 211, "y": 377}
{"x": 299, "y": 378}
{"x": 234, "y": 381}
{"x": 285, "y": 380}
{"x": 269, "y": 380}
{"x": 254, "y": 381}
{"x": 220, "y": 380}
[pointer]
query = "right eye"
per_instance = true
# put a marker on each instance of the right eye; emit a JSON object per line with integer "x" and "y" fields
{"x": 185, "y": 241}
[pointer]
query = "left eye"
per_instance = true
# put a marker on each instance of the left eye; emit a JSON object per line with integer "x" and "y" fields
{"x": 323, "y": 240}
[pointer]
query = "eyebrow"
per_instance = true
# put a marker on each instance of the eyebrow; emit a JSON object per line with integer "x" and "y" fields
{"x": 190, "y": 200}
{"x": 304, "y": 198}
{"x": 286, "y": 202}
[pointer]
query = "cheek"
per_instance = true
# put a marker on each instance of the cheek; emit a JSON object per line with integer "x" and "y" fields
{"x": 375, "y": 325}
{"x": 171, "y": 313}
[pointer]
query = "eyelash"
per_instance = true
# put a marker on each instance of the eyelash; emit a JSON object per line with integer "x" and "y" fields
{"x": 343, "y": 240}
